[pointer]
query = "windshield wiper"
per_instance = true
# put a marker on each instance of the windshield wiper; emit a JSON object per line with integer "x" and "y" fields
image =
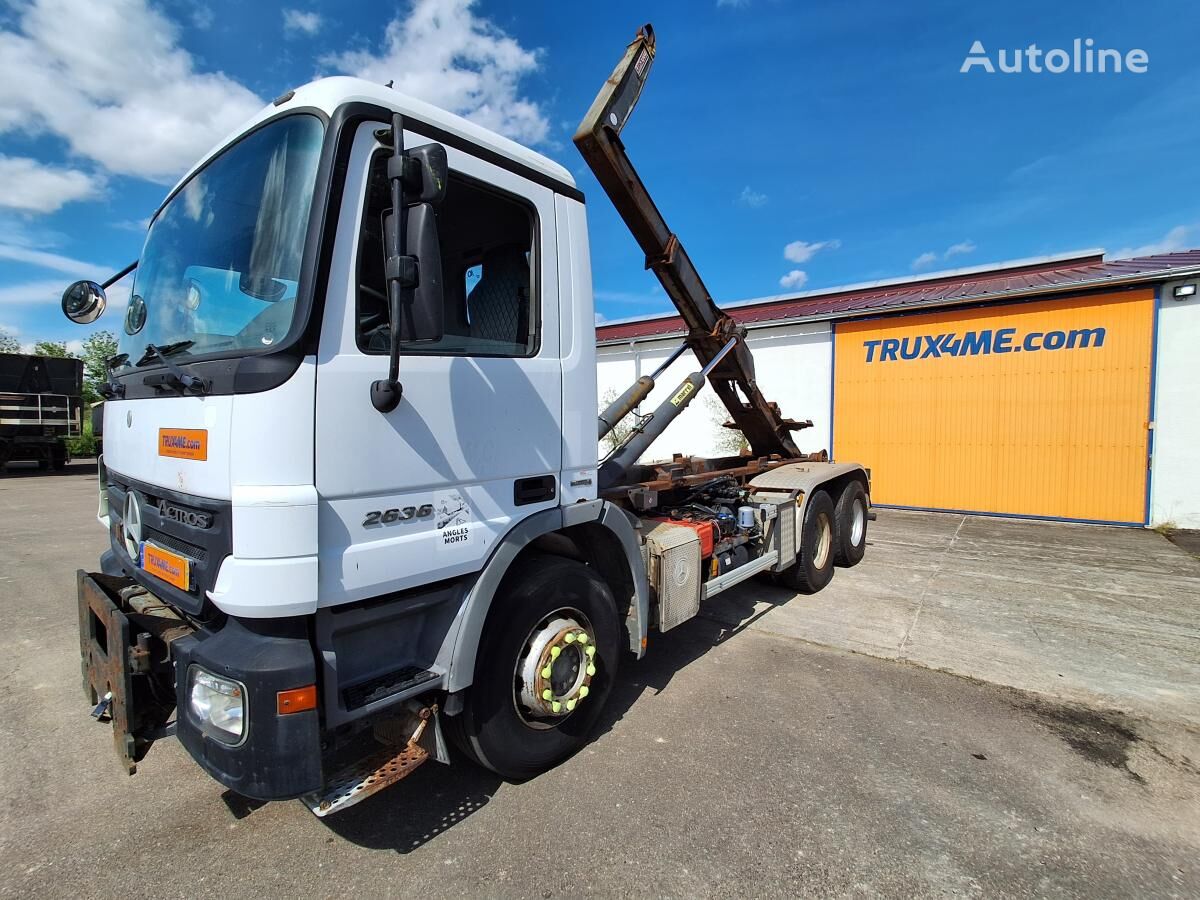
{"x": 175, "y": 374}
{"x": 162, "y": 352}
{"x": 112, "y": 389}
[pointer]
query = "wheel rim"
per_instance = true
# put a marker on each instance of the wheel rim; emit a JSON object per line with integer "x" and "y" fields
{"x": 824, "y": 541}
{"x": 858, "y": 523}
{"x": 554, "y": 669}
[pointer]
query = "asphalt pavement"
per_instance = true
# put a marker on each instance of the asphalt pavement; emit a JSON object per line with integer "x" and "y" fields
{"x": 733, "y": 760}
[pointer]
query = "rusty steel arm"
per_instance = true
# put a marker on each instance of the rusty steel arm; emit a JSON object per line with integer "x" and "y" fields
{"x": 709, "y": 329}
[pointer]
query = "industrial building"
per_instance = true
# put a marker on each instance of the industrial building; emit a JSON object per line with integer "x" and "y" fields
{"x": 1063, "y": 387}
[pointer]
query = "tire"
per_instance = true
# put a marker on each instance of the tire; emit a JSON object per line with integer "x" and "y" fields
{"x": 59, "y": 457}
{"x": 814, "y": 563}
{"x": 850, "y": 519}
{"x": 496, "y": 728}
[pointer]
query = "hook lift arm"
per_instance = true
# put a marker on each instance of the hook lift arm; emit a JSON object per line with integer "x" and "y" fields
{"x": 709, "y": 329}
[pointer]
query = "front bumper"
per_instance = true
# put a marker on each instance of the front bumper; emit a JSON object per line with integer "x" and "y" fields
{"x": 137, "y": 650}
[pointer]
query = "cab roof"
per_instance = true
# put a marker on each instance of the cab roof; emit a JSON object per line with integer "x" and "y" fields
{"x": 327, "y": 94}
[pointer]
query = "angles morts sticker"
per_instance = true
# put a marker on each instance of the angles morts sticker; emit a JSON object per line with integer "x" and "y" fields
{"x": 453, "y": 519}
{"x": 183, "y": 443}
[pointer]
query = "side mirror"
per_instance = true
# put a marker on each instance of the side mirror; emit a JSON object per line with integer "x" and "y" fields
{"x": 422, "y": 318}
{"x": 425, "y": 172}
{"x": 83, "y": 302}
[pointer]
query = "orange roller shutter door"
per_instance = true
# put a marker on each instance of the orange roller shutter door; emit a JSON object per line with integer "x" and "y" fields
{"x": 1036, "y": 409}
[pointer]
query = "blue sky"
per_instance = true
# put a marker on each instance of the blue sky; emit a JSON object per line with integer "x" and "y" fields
{"x": 792, "y": 146}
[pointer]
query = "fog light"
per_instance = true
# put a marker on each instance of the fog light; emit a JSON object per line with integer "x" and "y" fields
{"x": 218, "y": 704}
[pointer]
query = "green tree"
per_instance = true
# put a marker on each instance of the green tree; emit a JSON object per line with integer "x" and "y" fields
{"x": 8, "y": 343}
{"x": 621, "y": 430}
{"x": 97, "y": 350}
{"x": 51, "y": 348}
{"x": 730, "y": 441}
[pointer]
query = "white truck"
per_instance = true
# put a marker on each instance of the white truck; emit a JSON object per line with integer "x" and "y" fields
{"x": 350, "y": 471}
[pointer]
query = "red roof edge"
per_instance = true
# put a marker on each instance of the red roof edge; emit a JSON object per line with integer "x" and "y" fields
{"x": 941, "y": 288}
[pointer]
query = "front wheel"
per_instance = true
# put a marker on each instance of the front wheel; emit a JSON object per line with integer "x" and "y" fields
{"x": 813, "y": 568}
{"x": 546, "y": 664}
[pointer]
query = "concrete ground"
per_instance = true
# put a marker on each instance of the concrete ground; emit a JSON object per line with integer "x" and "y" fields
{"x": 734, "y": 759}
{"x": 1108, "y": 616}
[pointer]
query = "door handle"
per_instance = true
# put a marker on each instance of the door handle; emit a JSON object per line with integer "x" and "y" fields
{"x": 538, "y": 489}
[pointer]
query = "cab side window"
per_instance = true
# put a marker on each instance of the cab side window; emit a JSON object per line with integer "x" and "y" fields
{"x": 488, "y": 266}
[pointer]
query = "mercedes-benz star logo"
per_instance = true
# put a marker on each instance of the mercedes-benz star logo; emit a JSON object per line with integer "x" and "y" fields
{"x": 132, "y": 524}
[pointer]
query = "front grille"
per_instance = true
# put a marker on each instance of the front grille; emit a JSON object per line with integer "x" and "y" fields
{"x": 166, "y": 541}
{"x": 205, "y": 547}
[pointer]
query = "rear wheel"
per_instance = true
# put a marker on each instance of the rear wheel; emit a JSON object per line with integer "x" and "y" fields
{"x": 545, "y": 668}
{"x": 850, "y": 516}
{"x": 813, "y": 568}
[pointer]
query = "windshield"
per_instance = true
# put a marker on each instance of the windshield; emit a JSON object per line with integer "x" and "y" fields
{"x": 221, "y": 263}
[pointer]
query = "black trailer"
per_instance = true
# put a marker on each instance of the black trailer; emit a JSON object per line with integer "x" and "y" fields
{"x": 41, "y": 405}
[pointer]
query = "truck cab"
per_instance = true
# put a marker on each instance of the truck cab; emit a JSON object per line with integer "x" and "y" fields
{"x": 350, "y": 470}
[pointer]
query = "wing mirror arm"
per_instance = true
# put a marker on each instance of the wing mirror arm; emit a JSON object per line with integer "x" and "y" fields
{"x": 412, "y": 256}
{"x": 401, "y": 273}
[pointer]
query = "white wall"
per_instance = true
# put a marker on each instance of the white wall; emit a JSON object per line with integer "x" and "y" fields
{"x": 1175, "y": 471}
{"x": 793, "y": 367}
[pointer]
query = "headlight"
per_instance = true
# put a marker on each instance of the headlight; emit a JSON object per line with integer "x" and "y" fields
{"x": 218, "y": 704}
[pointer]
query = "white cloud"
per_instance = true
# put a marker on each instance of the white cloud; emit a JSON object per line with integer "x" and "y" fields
{"x": 752, "y": 198}
{"x": 600, "y": 320}
{"x": 1173, "y": 240}
{"x": 794, "y": 279}
{"x": 31, "y": 292}
{"x": 927, "y": 259}
{"x": 444, "y": 54}
{"x": 30, "y": 186}
{"x": 139, "y": 226}
{"x": 297, "y": 21}
{"x": 733, "y": 4}
{"x": 202, "y": 17}
{"x": 52, "y": 261}
{"x": 801, "y": 251}
{"x": 111, "y": 80}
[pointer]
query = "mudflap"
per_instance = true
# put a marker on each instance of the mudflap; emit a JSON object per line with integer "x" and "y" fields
{"x": 124, "y": 641}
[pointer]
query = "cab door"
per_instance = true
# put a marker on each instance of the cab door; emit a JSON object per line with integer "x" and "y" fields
{"x": 425, "y": 492}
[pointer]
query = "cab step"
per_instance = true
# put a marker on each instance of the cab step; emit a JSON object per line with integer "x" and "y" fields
{"x": 373, "y": 773}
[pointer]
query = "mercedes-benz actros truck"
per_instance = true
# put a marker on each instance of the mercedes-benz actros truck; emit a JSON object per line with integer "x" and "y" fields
{"x": 350, "y": 471}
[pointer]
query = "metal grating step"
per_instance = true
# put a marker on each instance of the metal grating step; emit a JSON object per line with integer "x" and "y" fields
{"x": 365, "y": 778}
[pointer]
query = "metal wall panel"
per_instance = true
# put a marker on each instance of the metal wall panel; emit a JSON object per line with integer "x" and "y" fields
{"x": 1035, "y": 409}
